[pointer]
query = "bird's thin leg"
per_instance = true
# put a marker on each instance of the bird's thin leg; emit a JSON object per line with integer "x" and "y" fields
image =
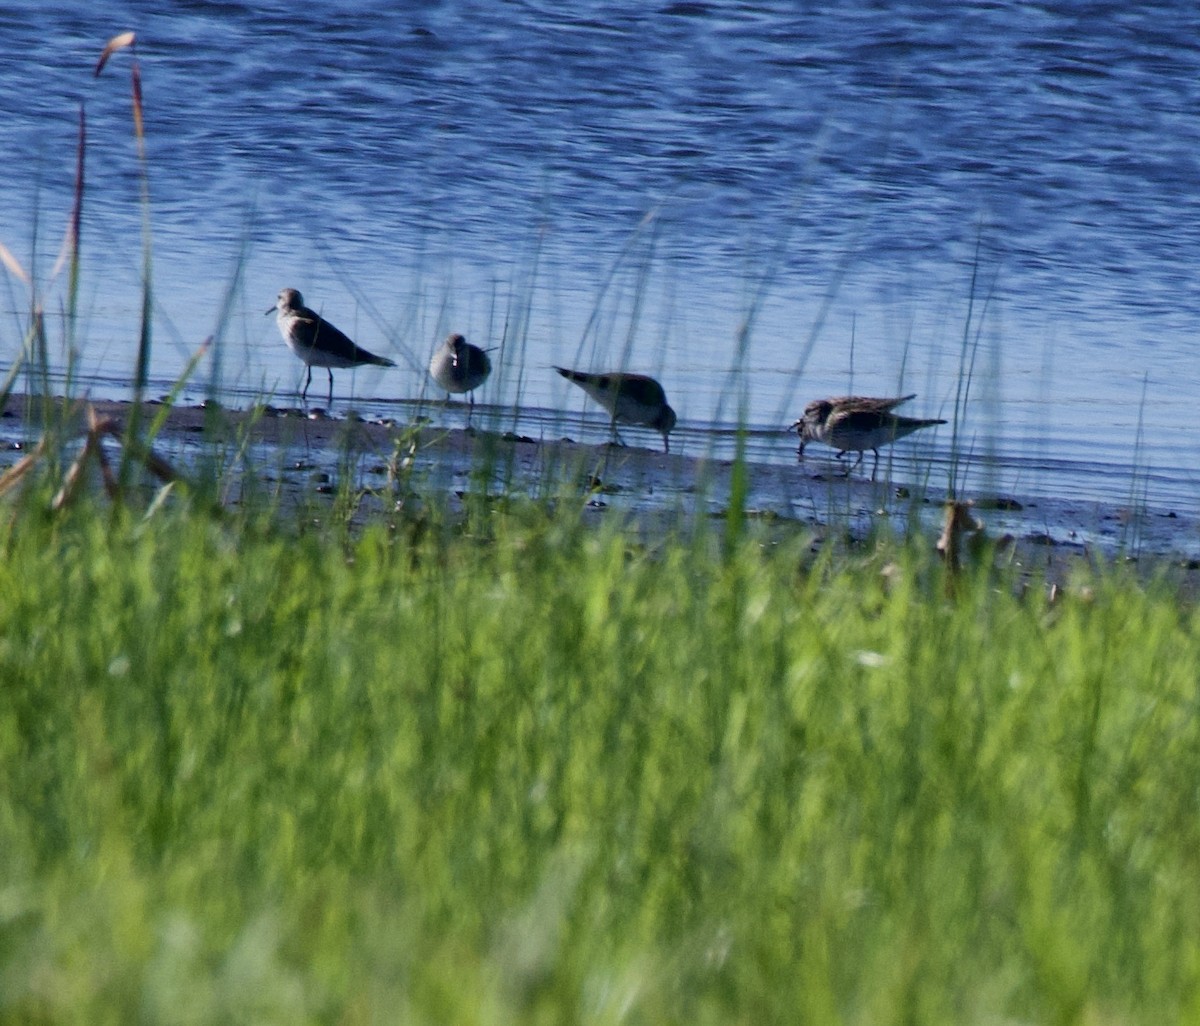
{"x": 800, "y": 453}
{"x": 666, "y": 443}
{"x": 330, "y": 369}
{"x": 307, "y": 382}
{"x": 856, "y": 463}
{"x": 875, "y": 467}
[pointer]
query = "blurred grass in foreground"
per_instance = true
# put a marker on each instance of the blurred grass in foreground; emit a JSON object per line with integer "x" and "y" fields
{"x": 516, "y": 771}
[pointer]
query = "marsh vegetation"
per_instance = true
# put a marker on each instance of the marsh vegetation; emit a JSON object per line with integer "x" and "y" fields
{"x": 508, "y": 768}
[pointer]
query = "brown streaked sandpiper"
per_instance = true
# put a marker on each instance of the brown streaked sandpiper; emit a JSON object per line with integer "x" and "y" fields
{"x": 852, "y": 423}
{"x": 629, "y": 398}
{"x": 317, "y": 342}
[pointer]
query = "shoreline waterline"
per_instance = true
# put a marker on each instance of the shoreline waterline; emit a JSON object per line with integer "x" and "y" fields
{"x": 304, "y": 455}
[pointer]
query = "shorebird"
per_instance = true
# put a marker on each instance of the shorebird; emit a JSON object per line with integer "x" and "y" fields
{"x": 853, "y": 423}
{"x": 629, "y": 398}
{"x": 457, "y": 366}
{"x": 317, "y": 342}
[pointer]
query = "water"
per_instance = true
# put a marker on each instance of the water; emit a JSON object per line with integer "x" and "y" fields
{"x": 760, "y": 206}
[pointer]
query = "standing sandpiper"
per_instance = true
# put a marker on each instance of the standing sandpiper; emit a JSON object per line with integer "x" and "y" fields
{"x": 457, "y": 366}
{"x": 629, "y": 398}
{"x": 317, "y": 342}
{"x": 851, "y": 423}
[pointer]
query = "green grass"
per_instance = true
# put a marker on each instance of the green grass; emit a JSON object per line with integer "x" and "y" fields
{"x": 514, "y": 771}
{"x": 263, "y": 766}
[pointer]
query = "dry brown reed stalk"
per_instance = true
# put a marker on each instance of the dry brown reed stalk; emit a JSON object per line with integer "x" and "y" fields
{"x": 962, "y": 534}
{"x": 959, "y": 524}
{"x": 93, "y": 451}
{"x": 69, "y": 254}
{"x": 964, "y": 541}
{"x": 34, "y": 344}
{"x": 14, "y": 474}
{"x": 13, "y": 265}
{"x": 33, "y": 336}
{"x": 69, "y": 251}
{"x": 141, "y": 373}
{"x": 112, "y": 46}
{"x": 98, "y": 427}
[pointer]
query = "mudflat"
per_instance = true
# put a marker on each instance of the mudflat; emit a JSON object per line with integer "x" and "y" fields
{"x": 303, "y": 456}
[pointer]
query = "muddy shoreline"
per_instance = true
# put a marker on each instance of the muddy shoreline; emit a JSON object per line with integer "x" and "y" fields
{"x": 304, "y": 455}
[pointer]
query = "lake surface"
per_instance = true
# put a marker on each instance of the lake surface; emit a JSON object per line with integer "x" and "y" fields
{"x": 760, "y": 206}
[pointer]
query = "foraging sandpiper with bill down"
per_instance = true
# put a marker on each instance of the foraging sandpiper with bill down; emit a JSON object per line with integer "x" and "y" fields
{"x": 853, "y": 423}
{"x": 317, "y": 342}
{"x": 629, "y": 398}
{"x": 458, "y": 366}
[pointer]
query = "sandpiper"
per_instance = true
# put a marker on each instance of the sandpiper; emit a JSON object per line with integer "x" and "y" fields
{"x": 818, "y": 411}
{"x": 629, "y": 398}
{"x": 853, "y": 423}
{"x": 317, "y": 342}
{"x": 457, "y": 366}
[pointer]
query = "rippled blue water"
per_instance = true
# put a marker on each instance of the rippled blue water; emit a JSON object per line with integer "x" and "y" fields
{"x": 758, "y": 204}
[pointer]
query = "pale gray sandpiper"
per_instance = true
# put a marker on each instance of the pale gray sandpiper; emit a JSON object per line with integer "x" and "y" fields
{"x": 852, "y": 423}
{"x": 317, "y": 342}
{"x": 629, "y": 398}
{"x": 458, "y": 367}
